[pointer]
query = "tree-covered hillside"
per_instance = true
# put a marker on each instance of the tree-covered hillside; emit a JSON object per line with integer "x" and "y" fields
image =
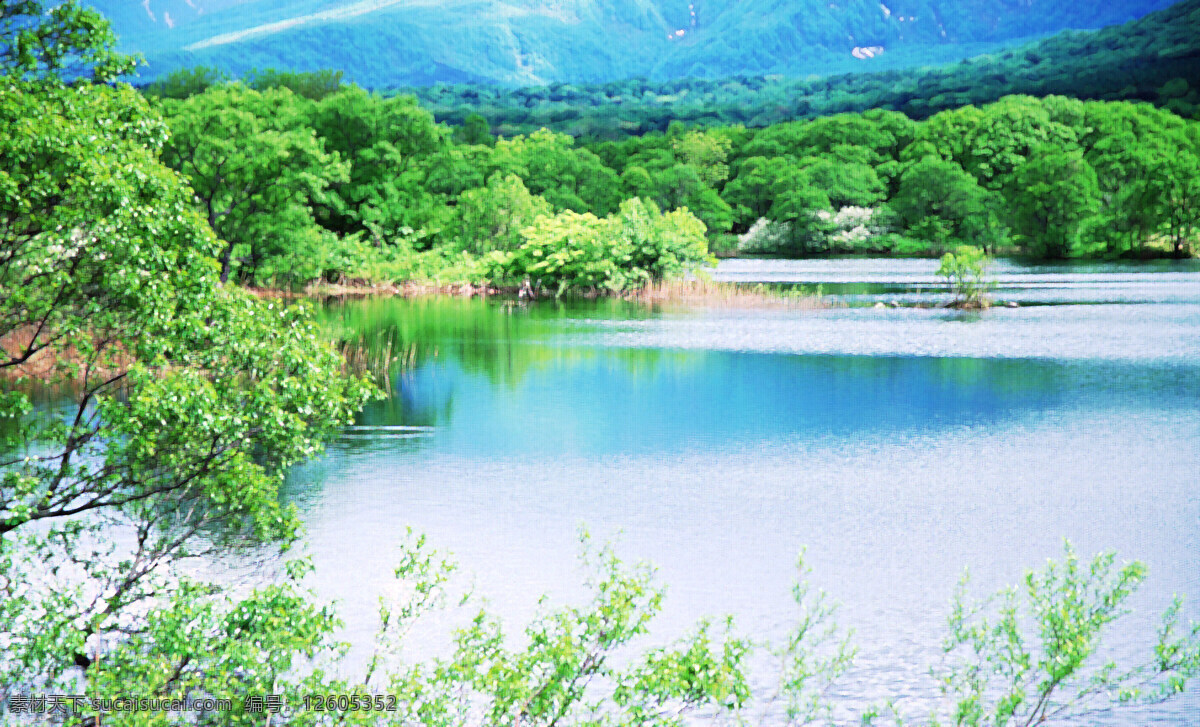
{"x": 1155, "y": 59}
{"x": 381, "y": 43}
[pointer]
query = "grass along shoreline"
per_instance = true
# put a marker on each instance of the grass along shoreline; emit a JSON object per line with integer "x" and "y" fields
{"x": 699, "y": 291}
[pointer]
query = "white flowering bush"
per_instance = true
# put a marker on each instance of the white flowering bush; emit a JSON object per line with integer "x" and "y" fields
{"x": 765, "y": 237}
{"x": 849, "y": 225}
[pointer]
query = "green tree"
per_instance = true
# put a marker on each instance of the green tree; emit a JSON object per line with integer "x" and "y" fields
{"x": 847, "y": 184}
{"x": 184, "y": 82}
{"x": 1131, "y": 148}
{"x": 801, "y": 208}
{"x": 389, "y": 144}
{"x": 966, "y": 272}
{"x": 551, "y": 166}
{"x": 752, "y": 192}
{"x": 256, "y": 168}
{"x": 938, "y": 201}
{"x": 586, "y": 663}
{"x": 492, "y": 217}
{"x": 663, "y": 246}
{"x": 64, "y": 40}
{"x": 684, "y": 186}
{"x": 628, "y": 249}
{"x": 312, "y": 85}
{"x": 183, "y": 400}
{"x": 993, "y": 141}
{"x": 1055, "y": 198}
{"x": 475, "y": 130}
{"x": 205, "y": 643}
{"x": 550, "y": 680}
{"x": 568, "y": 250}
{"x": 707, "y": 152}
{"x": 1183, "y": 196}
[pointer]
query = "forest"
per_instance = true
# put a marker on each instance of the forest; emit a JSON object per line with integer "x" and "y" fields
{"x": 1154, "y": 59}
{"x": 306, "y": 180}
{"x": 446, "y": 183}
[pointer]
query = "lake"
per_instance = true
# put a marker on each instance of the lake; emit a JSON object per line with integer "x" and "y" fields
{"x": 899, "y": 446}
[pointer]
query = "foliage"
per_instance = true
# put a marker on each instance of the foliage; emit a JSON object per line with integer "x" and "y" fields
{"x": 965, "y": 270}
{"x": 635, "y": 246}
{"x": 186, "y": 82}
{"x": 551, "y": 166}
{"x": 567, "y": 250}
{"x": 178, "y": 401}
{"x": 814, "y": 653}
{"x": 181, "y": 400}
{"x": 569, "y": 662}
{"x": 492, "y": 217}
{"x": 1048, "y": 178}
{"x": 939, "y": 202}
{"x": 201, "y": 643}
{"x": 60, "y": 41}
{"x": 765, "y": 237}
{"x": 584, "y": 664}
{"x": 1055, "y": 200}
{"x": 313, "y": 85}
{"x": 1031, "y": 655}
{"x": 851, "y": 229}
{"x": 663, "y": 246}
{"x": 389, "y": 146}
{"x": 256, "y": 167}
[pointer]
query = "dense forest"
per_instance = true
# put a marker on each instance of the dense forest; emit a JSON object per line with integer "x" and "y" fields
{"x": 1155, "y": 59}
{"x": 306, "y": 180}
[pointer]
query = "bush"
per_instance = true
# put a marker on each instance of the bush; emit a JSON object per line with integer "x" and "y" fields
{"x": 663, "y": 245}
{"x": 1028, "y": 654}
{"x": 629, "y": 249}
{"x": 765, "y": 237}
{"x": 965, "y": 270}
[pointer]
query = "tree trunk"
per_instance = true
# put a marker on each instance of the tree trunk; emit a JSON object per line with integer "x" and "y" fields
{"x": 226, "y": 262}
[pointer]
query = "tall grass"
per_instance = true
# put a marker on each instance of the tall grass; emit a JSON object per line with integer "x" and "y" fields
{"x": 735, "y": 295}
{"x": 377, "y": 357}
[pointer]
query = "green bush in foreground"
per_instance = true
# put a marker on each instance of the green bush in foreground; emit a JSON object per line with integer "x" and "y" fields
{"x": 1024, "y": 656}
{"x": 1029, "y": 654}
{"x": 1021, "y": 657}
{"x": 177, "y": 402}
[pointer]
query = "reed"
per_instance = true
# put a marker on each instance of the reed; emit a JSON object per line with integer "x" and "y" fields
{"x": 722, "y": 294}
{"x": 376, "y": 358}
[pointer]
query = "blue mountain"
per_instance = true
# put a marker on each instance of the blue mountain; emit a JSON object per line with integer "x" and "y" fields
{"x": 385, "y": 43}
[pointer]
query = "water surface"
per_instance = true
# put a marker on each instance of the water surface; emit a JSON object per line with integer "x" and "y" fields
{"x": 899, "y": 446}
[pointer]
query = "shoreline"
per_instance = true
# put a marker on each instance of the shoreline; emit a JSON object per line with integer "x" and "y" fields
{"x": 693, "y": 292}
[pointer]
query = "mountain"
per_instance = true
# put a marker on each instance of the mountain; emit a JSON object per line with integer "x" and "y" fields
{"x": 387, "y": 43}
{"x": 1154, "y": 59}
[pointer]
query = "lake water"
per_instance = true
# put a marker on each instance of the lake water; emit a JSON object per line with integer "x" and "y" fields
{"x": 898, "y": 445}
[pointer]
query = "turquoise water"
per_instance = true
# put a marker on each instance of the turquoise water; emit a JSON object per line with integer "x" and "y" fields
{"x": 899, "y": 446}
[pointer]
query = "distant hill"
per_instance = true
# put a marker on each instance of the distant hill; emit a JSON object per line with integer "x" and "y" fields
{"x": 386, "y": 43}
{"x": 1154, "y": 59}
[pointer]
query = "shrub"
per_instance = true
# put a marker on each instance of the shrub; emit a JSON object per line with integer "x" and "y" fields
{"x": 1028, "y": 654}
{"x": 765, "y": 237}
{"x": 965, "y": 270}
{"x": 629, "y": 249}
